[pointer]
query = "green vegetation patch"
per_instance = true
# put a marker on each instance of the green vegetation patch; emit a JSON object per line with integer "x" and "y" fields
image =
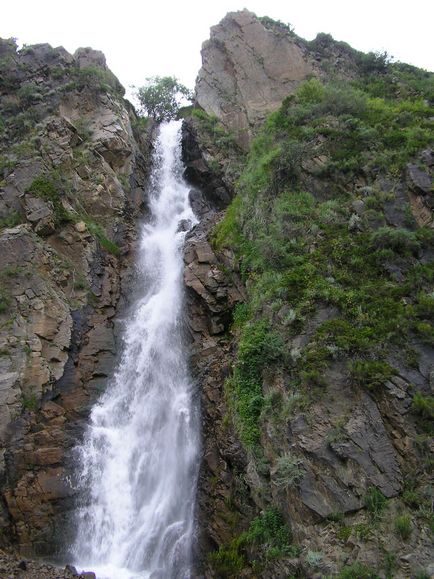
{"x": 375, "y": 502}
{"x": 11, "y": 220}
{"x": 5, "y": 300}
{"x": 96, "y": 78}
{"x": 403, "y": 526}
{"x": 51, "y": 188}
{"x": 371, "y": 373}
{"x": 357, "y": 570}
{"x": 258, "y": 349}
{"x": 100, "y": 234}
{"x": 270, "y": 536}
{"x": 302, "y": 247}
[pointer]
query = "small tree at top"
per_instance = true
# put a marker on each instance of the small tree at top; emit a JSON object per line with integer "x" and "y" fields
{"x": 161, "y": 97}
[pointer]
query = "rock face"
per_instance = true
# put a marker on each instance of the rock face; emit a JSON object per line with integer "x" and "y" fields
{"x": 211, "y": 295}
{"x": 247, "y": 71}
{"x": 73, "y": 170}
{"x": 349, "y": 440}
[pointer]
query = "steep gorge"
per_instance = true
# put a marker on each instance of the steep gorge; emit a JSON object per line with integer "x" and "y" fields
{"x": 308, "y": 296}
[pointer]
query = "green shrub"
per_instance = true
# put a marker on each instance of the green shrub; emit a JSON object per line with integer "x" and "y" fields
{"x": 227, "y": 231}
{"x": 389, "y": 565}
{"x": 50, "y": 188}
{"x": 4, "y": 301}
{"x": 11, "y": 220}
{"x": 288, "y": 471}
{"x": 425, "y": 331}
{"x": 268, "y": 533}
{"x": 363, "y": 531}
{"x": 314, "y": 558}
{"x": 240, "y": 315}
{"x": 311, "y": 91}
{"x": 425, "y": 305}
{"x": 11, "y": 270}
{"x": 411, "y": 498}
{"x": 403, "y": 526}
{"x": 98, "y": 232}
{"x": 99, "y": 79}
{"x": 344, "y": 533}
{"x": 83, "y": 129}
{"x": 357, "y": 571}
{"x": 423, "y": 405}
{"x": 373, "y": 62}
{"x": 342, "y": 100}
{"x": 258, "y": 349}
{"x": 371, "y": 373}
{"x": 276, "y": 25}
{"x": 30, "y": 402}
{"x": 375, "y": 502}
{"x": 29, "y": 94}
{"x": 402, "y": 241}
{"x": 269, "y": 530}
{"x": 45, "y": 188}
{"x": 227, "y": 561}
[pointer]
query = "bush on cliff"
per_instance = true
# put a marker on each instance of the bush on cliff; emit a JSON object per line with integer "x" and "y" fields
{"x": 161, "y": 97}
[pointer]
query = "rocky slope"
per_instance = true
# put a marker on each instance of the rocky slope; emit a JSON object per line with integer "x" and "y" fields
{"x": 73, "y": 168}
{"x": 310, "y": 307}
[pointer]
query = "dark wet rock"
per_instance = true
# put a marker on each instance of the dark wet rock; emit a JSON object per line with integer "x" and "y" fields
{"x": 213, "y": 192}
{"x": 419, "y": 179}
{"x": 15, "y": 568}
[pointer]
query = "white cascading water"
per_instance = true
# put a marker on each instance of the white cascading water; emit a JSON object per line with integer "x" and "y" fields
{"x": 139, "y": 458}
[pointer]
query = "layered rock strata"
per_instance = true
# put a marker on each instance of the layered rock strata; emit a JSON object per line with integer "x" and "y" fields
{"x": 74, "y": 169}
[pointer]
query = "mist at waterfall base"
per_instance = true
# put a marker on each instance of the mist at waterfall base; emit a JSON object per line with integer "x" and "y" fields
{"x": 139, "y": 458}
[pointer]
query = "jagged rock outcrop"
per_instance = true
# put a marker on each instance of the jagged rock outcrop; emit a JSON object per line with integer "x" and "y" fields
{"x": 212, "y": 292}
{"x": 74, "y": 169}
{"x": 250, "y": 65}
{"x": 247, "y": 71}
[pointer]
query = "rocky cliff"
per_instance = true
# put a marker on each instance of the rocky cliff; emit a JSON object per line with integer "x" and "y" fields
{"x": 247, "y": 70}
{"x": 308, "y": 296}
{"x": 310, "y": 306}
{"x": 250, "y": 64}
{"x": 73, "y": 164}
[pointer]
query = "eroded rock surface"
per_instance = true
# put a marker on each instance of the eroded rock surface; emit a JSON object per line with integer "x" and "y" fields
{"x": 74, "y": 170}
{"x": 247, "y": 71}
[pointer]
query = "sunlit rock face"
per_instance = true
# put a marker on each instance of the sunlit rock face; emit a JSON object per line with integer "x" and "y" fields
{"x": 247, "y": 71}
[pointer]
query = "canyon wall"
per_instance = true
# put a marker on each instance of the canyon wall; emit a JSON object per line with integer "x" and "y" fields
{"x": 313, "y": 419}
{"x": 74, "y": 165}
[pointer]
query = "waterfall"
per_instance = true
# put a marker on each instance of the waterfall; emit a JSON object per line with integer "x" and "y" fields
{"x": 139, "y": 458}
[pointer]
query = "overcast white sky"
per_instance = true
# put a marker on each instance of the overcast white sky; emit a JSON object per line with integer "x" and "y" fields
{"x": 150, "y": 37}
